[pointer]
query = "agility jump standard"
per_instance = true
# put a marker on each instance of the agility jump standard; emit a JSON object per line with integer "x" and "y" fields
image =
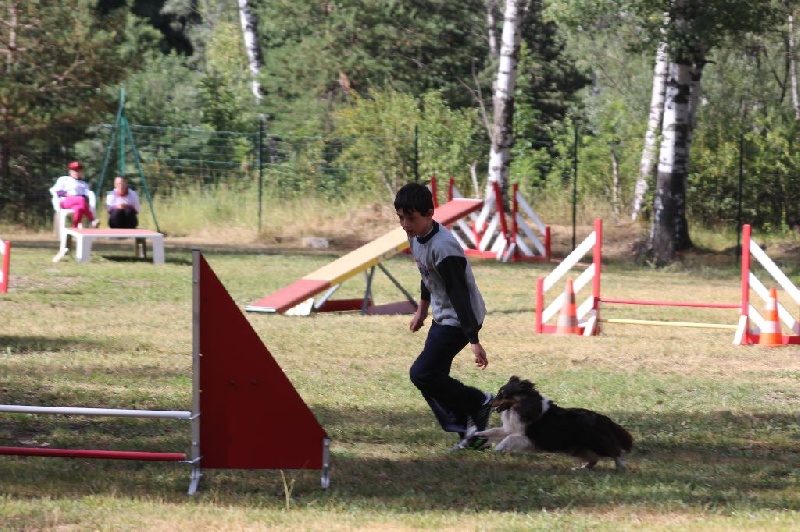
{"x": 485, "y": 237}
{"x": 747, "y": 329}
{"x": 239, "y": 393}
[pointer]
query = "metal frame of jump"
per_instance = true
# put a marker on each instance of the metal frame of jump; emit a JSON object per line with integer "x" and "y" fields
{"x": 365, "y": 305}
{"x": 747, "y": 329}
{"x": 495, "y": 238}
{"x": 244, "y": 395}
{"x": 5, "y": 264}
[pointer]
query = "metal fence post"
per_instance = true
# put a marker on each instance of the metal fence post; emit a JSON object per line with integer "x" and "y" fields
{"x": 574, "y": 185}
{"x": 739, "y": 199}
{"x": 416, "y": 153}
{"x": 260, "y": 167}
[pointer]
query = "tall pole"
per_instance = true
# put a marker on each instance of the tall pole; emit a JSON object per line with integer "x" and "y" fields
{"x": 123, "y": 124}
{"x": 741, "y": 190}
{"x": 260, "y": 167}
{"x": 116, "y": 130}
{"x": 416, "y": 153}
{"x": 574, "y": 185}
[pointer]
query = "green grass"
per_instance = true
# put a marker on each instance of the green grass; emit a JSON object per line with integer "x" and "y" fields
{"x": 716, "y": 426}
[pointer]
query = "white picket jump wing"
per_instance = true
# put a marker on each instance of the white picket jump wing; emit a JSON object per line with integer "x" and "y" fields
{"x": 776, "y": 272}
{"x": 570, "y": 261}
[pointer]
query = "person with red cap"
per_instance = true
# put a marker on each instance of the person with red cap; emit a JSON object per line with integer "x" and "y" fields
{"x": 73, "y": 191}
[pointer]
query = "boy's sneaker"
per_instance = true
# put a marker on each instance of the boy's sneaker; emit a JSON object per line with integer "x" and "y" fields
{"x": 471, "y": 443}
{"x": 481, "y": 419}
{"x": 476, "y": 424}
{"x": 95, "y": 223}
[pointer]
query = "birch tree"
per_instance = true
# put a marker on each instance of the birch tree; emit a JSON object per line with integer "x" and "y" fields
{"x": 250, "y": 35}
{"x": 669, "y": 203}
{"x": 650, "y": 150}
{"x": 790, "y": 45}
{"x": 695, "y": 27}
{"x": 491, "y": 5}
{"x": 502, "y": 136}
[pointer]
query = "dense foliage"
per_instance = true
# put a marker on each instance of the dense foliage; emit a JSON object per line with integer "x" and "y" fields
{"x": 361, "y": 95}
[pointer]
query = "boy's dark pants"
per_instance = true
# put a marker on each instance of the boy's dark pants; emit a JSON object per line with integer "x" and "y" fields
{"x": 450, "y": 400}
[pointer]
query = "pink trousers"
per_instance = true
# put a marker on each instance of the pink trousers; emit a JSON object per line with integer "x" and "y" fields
{"x": 80, "y": 206}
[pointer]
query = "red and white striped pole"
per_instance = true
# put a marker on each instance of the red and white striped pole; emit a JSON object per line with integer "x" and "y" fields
{"x": 5, "y": 251}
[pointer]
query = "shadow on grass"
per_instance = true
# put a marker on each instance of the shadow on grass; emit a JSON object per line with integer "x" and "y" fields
{"x": 396, "y": 461}
{"x": 168, "y": 259}
{"x": 37, "y": 344}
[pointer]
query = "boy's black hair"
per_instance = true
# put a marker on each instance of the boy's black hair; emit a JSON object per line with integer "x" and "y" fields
{"x": 414, "y": 197}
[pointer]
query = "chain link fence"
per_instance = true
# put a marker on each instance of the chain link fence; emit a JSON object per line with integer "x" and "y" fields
{"x": 739, "y": 182}
{"x": 167, "y": 161}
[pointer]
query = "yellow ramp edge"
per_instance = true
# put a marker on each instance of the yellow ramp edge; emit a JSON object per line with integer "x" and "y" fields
{"x": 362, "y": 258}
{"x": 387, "y": 245}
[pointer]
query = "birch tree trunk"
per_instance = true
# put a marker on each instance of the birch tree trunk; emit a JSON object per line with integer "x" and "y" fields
{"x": 650, "y": 150}
{"x": 669, "y": 231}
{"x": 502, "y": 123}
{"x": 490, "y": 23}
{"x": 254, "y": 60}
{"x": 793, "y": 69}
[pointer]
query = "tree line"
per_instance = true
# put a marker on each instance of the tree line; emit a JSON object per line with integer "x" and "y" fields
{"x": 665, "y": 100}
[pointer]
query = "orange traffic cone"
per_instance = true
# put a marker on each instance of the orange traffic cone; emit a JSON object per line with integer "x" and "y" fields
{"x": 568, "y": 317}
{"x": 771, "y": 335}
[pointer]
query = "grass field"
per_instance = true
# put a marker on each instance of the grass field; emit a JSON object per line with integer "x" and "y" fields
{"x": 716, "y": 426}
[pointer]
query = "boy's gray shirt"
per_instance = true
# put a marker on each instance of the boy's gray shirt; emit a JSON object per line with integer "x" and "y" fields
{"x": 429, "y": 251}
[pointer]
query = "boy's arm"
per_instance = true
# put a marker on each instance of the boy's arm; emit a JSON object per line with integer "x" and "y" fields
{"x": 453, "y": 272}
{"x": 418, "y": 320}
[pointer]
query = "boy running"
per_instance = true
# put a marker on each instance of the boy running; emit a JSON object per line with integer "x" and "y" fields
{"x": 448, "y": 288}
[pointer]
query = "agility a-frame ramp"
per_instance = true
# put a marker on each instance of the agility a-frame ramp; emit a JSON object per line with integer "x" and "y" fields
{"x": 241, "y": 398}
{"x": 298, "y": 297}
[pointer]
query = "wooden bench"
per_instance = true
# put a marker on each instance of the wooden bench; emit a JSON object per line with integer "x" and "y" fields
{"x": 85, "y": 237}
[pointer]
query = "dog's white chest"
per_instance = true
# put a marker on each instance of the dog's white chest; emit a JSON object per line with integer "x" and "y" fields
{"x": 512, "y": 423}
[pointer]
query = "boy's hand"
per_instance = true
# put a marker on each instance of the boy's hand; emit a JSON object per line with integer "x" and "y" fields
{"x": 416, "y": 322}
{"x": 481, "y": 360}
{"x": 419, "y": 316}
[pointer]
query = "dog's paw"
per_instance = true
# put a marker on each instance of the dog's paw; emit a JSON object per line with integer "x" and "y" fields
{"x": 514, "y": 443}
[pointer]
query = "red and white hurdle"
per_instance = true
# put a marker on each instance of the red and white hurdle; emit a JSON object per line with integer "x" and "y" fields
{"x": 488, "y": 233}
{"x": 751, "y": 322}
{"x": 5, "y": 264}
{"x": 244, "y": 394}
{"x": 747, "y": 329}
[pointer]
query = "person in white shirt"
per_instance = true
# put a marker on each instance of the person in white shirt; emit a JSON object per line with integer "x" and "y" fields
{"x": 122, "y": 205}
{"x": 73, "y": 191}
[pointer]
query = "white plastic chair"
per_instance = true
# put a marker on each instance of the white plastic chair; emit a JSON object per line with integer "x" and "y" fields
{"x": 61, "y": 218}
{"x": 61, "y": 215}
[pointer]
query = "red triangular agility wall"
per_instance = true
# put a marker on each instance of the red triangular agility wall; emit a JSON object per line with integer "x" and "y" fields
{"x": 251, "y": 417}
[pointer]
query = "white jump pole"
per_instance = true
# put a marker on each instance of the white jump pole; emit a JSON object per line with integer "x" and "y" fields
{"x": 82, "y": 411}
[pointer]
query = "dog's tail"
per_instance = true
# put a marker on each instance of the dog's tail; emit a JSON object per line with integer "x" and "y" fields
{"x": 624, "y": 437}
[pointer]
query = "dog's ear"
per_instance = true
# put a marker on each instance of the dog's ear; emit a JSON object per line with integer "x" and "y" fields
{"x": 514, "y": 379}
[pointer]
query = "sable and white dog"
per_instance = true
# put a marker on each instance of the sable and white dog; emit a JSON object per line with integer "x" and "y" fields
{"x": 532, "y": 422}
